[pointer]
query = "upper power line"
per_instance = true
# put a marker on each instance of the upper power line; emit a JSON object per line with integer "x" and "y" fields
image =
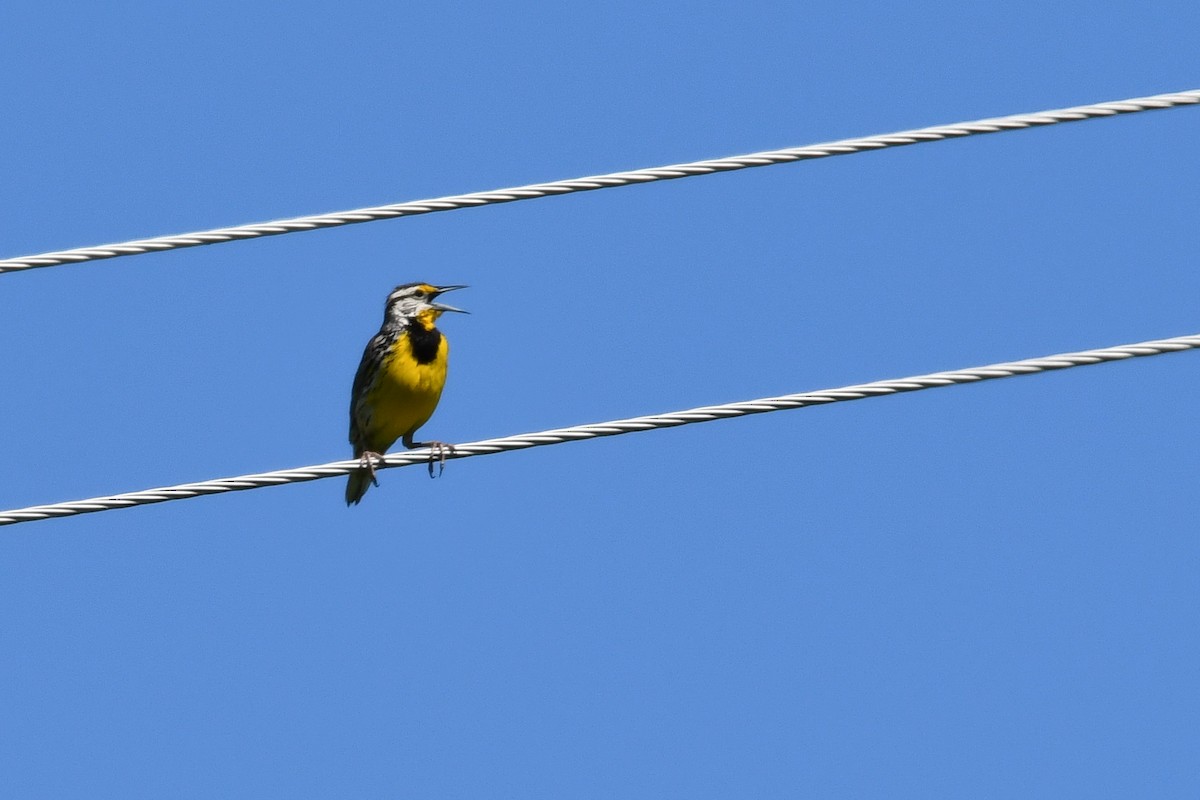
{"x": 452, "y": 202}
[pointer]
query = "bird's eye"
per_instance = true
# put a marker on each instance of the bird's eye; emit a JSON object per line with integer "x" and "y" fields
{"x": 419, "y": 293}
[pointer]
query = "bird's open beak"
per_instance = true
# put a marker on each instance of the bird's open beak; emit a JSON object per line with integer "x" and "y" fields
{"x": 442, "y": 306}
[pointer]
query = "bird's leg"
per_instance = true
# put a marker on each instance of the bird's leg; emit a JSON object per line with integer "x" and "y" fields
{"x": 437, "y": 452}
{"x": 367, "y": 459}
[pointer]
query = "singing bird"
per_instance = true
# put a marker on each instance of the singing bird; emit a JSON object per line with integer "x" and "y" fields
{"x": 399, "y": 381}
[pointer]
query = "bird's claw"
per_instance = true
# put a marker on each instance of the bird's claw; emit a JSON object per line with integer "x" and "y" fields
{"x": 368, "y": 463}
{"x": 438, "y": 452}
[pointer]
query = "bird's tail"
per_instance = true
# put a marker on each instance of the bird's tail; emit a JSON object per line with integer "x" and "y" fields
{"x": 356, "y": 487}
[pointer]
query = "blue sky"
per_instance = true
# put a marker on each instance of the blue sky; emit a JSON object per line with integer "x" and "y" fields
{"x": 985, "y": 591}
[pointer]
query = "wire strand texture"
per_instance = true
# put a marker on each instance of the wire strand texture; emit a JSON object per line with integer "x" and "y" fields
{"x": 613, "y": 428}
{"x": 453, "y": 202}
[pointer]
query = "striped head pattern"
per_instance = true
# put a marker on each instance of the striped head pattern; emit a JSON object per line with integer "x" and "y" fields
{"x": 417, "y": 301}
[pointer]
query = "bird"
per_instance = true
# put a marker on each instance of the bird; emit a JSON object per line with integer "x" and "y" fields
{"x": 399, "y": 381}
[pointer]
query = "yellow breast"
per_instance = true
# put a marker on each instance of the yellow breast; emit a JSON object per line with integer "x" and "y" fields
{"x": 405, "y": 393}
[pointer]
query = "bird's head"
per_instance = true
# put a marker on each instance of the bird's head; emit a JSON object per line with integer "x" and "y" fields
{"x": 418, "y": 301}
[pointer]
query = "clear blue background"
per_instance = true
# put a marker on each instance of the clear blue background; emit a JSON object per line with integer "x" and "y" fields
{"x": 987, "y": 591}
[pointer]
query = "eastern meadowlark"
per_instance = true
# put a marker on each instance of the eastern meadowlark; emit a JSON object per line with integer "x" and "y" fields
{"x": 399, "y": 381}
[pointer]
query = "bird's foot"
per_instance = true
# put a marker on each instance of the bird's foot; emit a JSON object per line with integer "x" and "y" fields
{"x": 437, "y": 454}
{"x": 367, "y": 460}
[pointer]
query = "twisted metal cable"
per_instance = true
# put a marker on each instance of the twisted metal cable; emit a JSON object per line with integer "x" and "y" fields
{"x": 452, "y": 202}
{"x": 613, "y": 428}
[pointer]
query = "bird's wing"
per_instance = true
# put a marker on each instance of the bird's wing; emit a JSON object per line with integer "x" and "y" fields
{"x": 368, "y": 369}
